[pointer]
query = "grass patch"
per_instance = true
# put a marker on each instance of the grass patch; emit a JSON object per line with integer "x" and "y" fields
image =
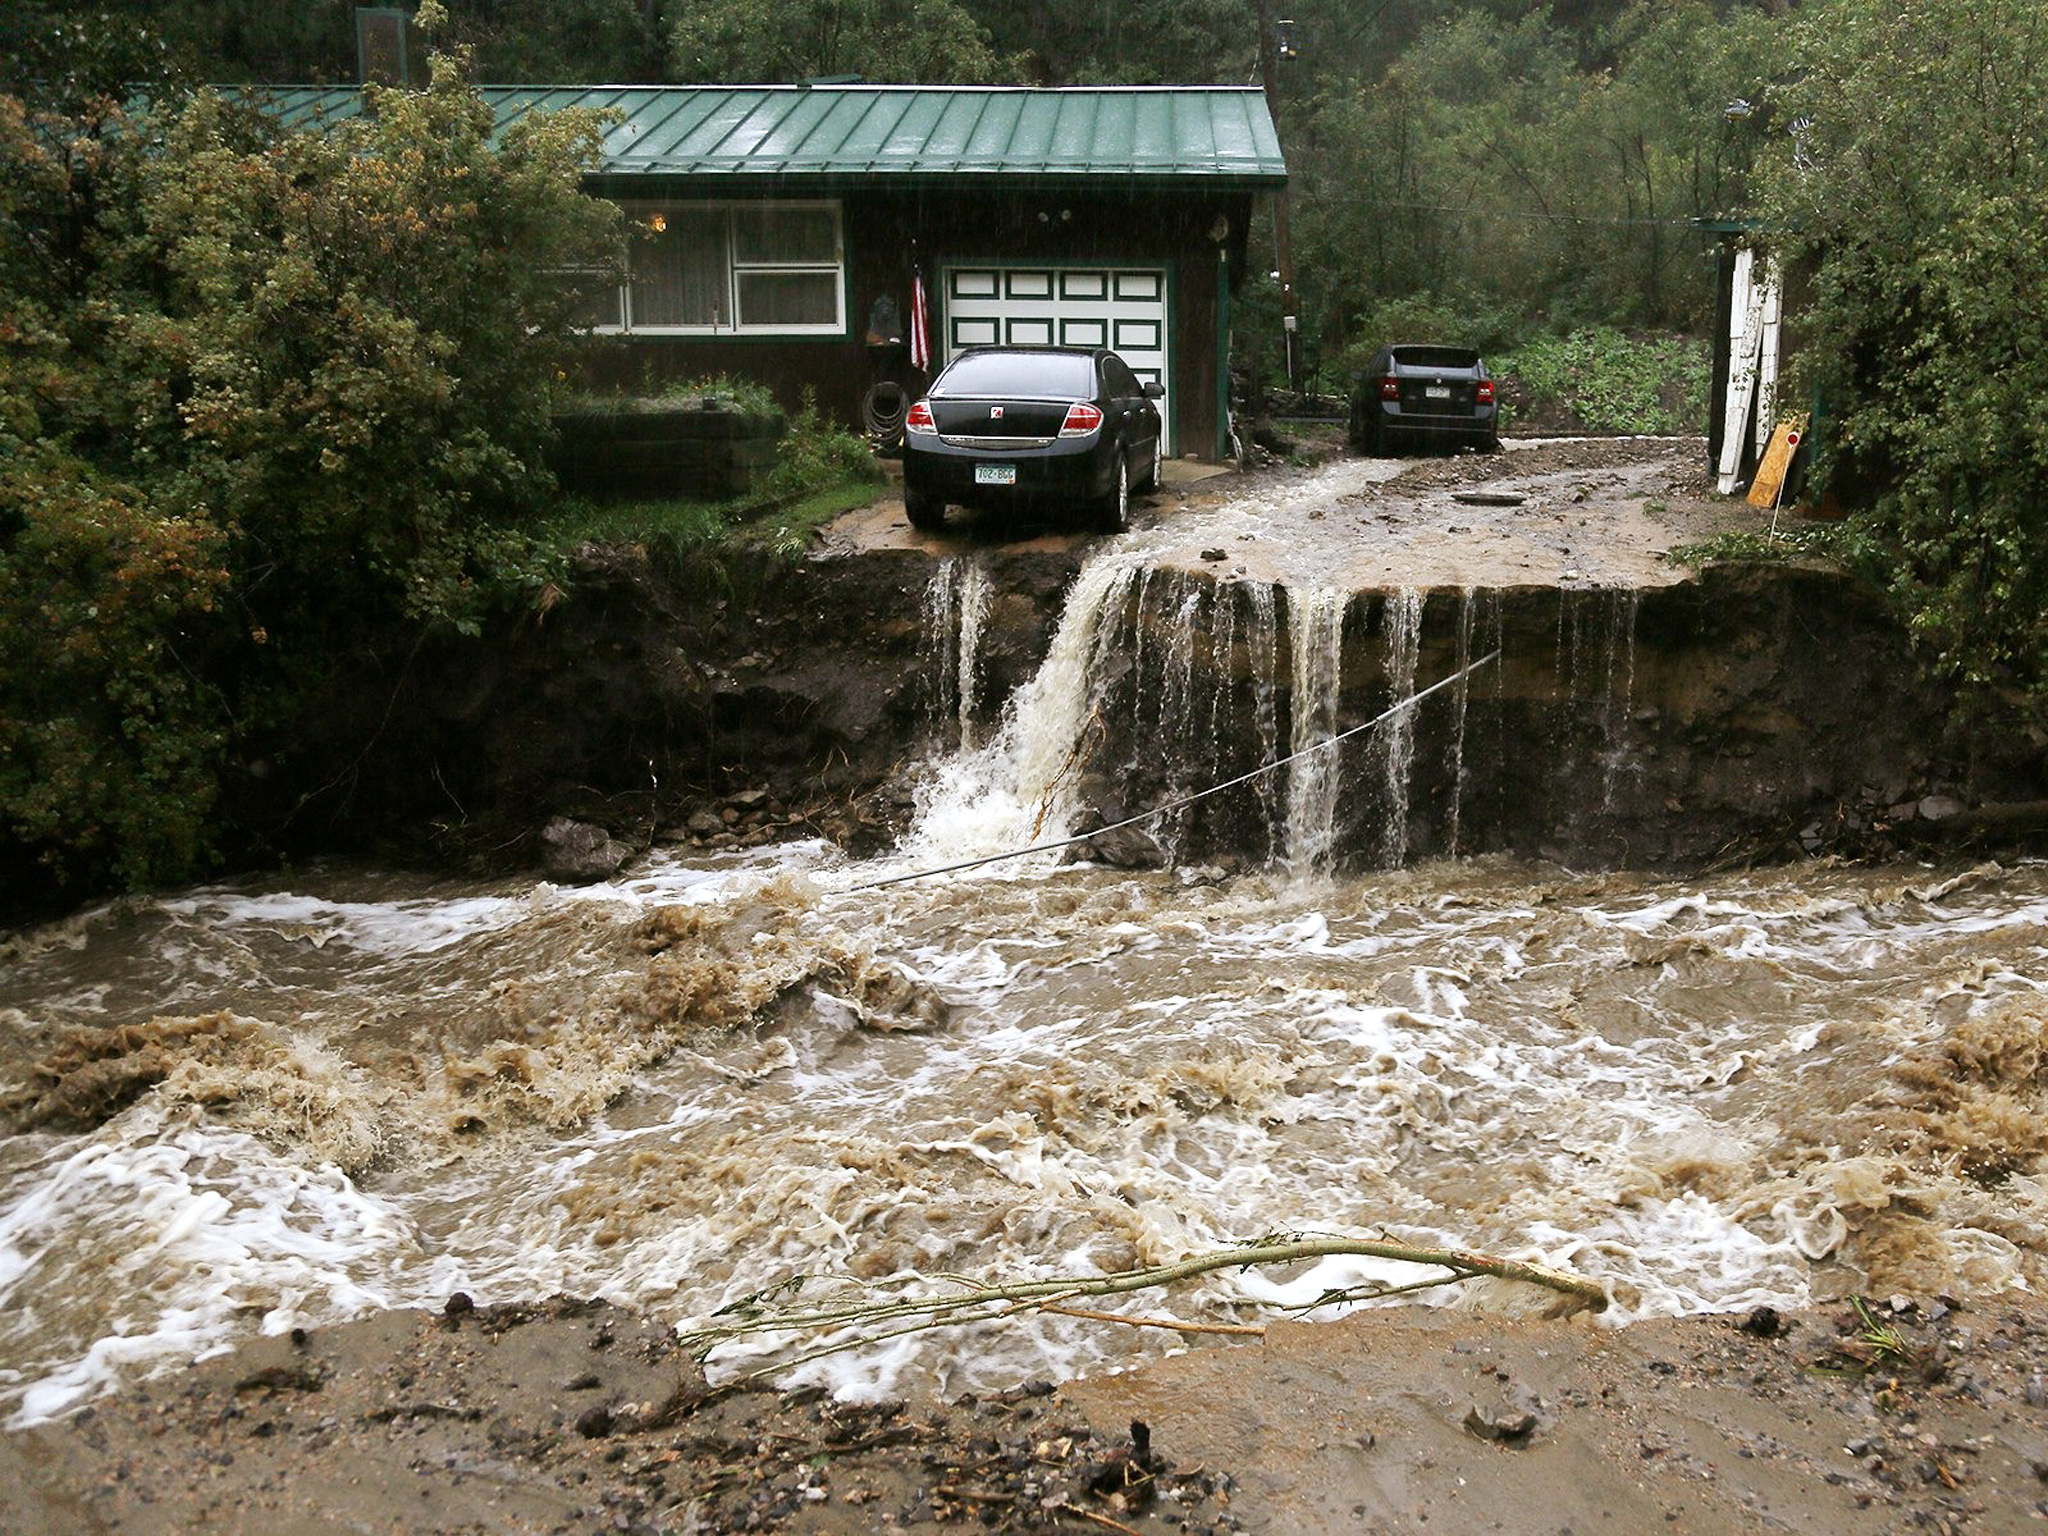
{"x": 1843, "y": 544}
{"x": 821, "y": 471}
{"x": 712, "y": 392}
{"x": 789, "y": 530}
{"x": 1612, "y": 381}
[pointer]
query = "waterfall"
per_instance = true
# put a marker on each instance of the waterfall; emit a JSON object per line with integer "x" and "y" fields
{"x": 1262, "y": 646}
{"x": 1181, "y": 677}
{"x": 1616, "y": 761}
{"x": 1185, "y": 718}
{"x": 1393, "y": 742}
{"x": 1316, "y": 629}
{"x": 1017, "y": 788}
{"x": 956, "y": 607}
{"x": 1460, "y": 699}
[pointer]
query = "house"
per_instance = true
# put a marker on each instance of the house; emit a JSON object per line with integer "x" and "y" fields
{"x": 784, "y": 228}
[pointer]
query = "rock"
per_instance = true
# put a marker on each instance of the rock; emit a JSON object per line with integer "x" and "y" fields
{"x": 594, "y": 1423}
{"x": 749, "y": 799}
{"x": 1508, "y": 1426}
{"x": 1940, "y": 808}
{"x": 1128, "y": 848}
{"x": 580, "y": 851}
{"x": 705, "y": 824}
{"x": 1215, "y": 554}
{"x": 458, "y": 1304}
{"x": 1764, "y": 1322}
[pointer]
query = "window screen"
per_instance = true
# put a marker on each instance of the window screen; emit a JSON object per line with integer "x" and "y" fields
{"x": 679, "y": 272}
{"x": 767, "y": 267}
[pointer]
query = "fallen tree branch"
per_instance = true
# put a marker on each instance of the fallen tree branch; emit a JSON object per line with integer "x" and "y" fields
{"x": 979, "y": 1302}
{"x": 1248, "y": 1330}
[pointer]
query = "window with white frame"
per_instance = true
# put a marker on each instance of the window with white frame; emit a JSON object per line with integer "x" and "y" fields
{"x": 711, "y": 268}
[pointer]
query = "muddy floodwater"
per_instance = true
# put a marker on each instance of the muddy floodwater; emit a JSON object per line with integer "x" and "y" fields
{"x": 247, "y": 1108}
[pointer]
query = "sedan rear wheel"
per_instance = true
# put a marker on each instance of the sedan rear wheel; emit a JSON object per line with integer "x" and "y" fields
{"x": 1113, "y": 513}
{"x": 925, "y": 514}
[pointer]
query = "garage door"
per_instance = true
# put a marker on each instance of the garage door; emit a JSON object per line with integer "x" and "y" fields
{"x": 1122, "y": 308}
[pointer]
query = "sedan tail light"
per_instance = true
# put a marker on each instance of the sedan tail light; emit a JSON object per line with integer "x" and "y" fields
{"x": 919, "y": 418}
{"x": 1390, "y": 388}
{"x": 1485, "y": 392}
{"x": 1082, "y": 418}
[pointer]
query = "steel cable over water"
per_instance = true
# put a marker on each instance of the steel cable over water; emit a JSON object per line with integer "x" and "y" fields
{"x": 1187, "y": 800}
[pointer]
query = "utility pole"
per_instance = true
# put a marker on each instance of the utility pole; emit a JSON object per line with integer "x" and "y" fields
{"x": 1289, "y": 325}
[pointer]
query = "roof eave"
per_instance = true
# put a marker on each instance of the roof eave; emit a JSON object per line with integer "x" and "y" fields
{"x": 614, "y": 182}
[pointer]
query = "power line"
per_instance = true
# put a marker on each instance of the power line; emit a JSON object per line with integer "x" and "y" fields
{"x": 1162, "y": 810}
{"x": 1537, "y": 218}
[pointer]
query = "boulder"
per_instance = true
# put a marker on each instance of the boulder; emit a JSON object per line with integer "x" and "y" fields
{"x": 580, "y": 852}
{"x": 1127, "y": 848}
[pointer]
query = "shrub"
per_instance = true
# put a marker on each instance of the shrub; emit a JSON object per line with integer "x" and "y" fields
{"x": 269, "y": 403}
{"x": 1612, "y": 382}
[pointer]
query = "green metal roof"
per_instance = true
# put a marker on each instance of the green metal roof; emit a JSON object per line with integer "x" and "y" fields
{"x": 835, "y": 134}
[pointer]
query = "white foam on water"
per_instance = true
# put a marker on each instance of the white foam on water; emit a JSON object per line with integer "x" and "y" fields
{"x": 1132, "y": 1071}
{"x": 157, "y": 1242}
{"x": 391, "y": 929}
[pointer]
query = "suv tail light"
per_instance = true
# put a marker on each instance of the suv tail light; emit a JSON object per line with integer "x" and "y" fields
{"x": 1082, "y": 418}
{"x": 1485, "y": 395}
{"x": 1390, "y": 388}
{"x": 919, "y": 418}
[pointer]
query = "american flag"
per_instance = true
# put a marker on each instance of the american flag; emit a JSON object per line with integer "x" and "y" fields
{"x": 920, "y": 338}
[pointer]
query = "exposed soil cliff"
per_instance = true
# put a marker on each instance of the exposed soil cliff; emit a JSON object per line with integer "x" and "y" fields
{"x": 1637, "y": 713}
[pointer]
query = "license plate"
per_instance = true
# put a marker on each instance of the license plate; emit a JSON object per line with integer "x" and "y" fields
{"x": 1437, "y": 392}
{"x": 995, "y": 474}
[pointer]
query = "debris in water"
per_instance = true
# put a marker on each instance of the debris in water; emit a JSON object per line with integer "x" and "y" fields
{"x": 1488, "y": 498}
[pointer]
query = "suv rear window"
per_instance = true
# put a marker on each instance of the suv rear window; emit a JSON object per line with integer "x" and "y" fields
{"x": 1436, "y": 357}
{"x": 1043, "y": 375}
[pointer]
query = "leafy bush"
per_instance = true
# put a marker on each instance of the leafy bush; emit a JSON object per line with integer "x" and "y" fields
{"x": 270, "y": 404}
{"x": 1613, "y": 382}
{"x": 816, "y": 454}
{"x": 1914, "y": 190}
{"x": 111, "y": 736}
{"x": 1452, "y": 320}
{"x": 821, "y": 470}
{"x": 665, "y": 394}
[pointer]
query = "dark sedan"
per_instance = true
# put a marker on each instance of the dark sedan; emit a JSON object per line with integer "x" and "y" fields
{"x": 1418, "y": 393}
{"x": 1038, "y": 430}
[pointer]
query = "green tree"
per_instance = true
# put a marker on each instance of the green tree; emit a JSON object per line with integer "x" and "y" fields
{"x": 270, "y": 403}
{"x": 1909, "y": 176}
{"x": 742, "y": 42}
{"x": 310, "y": 42}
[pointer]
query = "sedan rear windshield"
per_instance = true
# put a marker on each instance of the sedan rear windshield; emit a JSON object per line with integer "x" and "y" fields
{"x": 1435, "y": 357}
{"x": 1021, "y": 375}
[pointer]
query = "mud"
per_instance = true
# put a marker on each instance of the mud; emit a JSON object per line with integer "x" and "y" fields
{"x": 576, "y": 1416}
{"x": 660, "y": 698}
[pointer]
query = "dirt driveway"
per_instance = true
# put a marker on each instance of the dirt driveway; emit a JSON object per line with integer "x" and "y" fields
{"x": 1572, "y": 512}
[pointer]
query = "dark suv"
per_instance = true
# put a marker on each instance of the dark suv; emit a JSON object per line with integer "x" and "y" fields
{"x": 1424, "y": 393}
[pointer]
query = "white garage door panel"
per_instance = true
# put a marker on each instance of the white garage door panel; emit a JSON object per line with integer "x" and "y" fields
{"x": 1123, "y": 308}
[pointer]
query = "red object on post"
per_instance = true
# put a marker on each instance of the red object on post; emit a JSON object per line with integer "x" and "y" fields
{"x": 920, "y": 337}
